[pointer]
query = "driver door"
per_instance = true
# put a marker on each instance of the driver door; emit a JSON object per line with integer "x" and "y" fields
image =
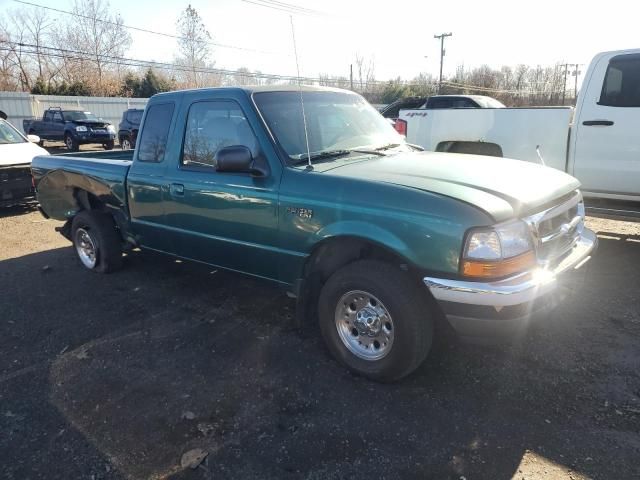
{"x": 222, "y": 218}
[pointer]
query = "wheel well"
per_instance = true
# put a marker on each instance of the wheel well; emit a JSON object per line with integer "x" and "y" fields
{"x": 88, "y": 201}
{"x": 474, "y": 148}
{"x": 331, "y": 255}
{"x": 337, "y": 252}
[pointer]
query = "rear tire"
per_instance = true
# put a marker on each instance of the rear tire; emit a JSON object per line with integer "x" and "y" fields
{"x": 71, "y": 144}
{"x": 375, "y": 320}
{"x": 96, "y": 241}
{"x": 109, "y": 145}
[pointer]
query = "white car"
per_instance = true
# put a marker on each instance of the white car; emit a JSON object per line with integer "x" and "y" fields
{"x": 16, "y": 153}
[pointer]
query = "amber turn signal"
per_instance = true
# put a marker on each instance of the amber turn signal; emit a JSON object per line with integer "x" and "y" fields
{"x": 499, "y": 268}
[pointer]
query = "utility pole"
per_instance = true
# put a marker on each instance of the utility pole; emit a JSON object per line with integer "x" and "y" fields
{"x": 351, "y": 75}
{"x": 564, "y": 85}
{"x": 575, "y": 73}
{"x": 442, "y": 36}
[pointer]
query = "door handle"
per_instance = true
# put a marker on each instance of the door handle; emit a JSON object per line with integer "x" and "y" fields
{"x": 176, "y": 189}
{"x": 601, "y": 123}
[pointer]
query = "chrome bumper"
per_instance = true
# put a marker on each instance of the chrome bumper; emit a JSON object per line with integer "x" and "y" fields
{"x": 522, "y": 291}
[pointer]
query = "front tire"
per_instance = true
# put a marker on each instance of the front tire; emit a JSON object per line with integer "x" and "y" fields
{"x": 96, "y": 241}
{"x": 125, "y": 143}
{"x": 109, "y": 145}
{"x": 375, "y": 320}
{"x": 71, "y": 144}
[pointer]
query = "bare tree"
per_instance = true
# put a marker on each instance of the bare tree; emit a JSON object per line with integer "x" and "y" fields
{"x": 94, "y": 41}
{"x": 25, "y": 35}
{"x": 365, "y": 72}
{"x": 194, "y": 47}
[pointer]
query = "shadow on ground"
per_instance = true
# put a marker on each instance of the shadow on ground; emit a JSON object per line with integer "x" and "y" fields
{"x": 117, "y": 376}
{"x": 23, "y": 208}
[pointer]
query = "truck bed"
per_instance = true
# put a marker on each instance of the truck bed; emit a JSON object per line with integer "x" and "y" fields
{"x": 58, "y": 178}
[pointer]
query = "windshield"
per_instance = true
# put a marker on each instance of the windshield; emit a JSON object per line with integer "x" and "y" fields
{"x": 335, "y": 121}
{"x": 73, "y": 116}
{"x": 135, "y": 117}
{"x": 8, "y": 134}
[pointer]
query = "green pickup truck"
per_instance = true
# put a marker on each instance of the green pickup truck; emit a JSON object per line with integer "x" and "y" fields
{"x": 311, "y": 188}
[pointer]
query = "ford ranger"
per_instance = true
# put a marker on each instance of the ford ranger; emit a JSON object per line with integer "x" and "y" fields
{"x": 312, "y": 189}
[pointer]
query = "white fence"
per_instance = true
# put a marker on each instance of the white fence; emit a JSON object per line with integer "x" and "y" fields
{"x": 19, "y": 106}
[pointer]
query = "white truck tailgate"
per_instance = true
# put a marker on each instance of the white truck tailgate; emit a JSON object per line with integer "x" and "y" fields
{"x": 517, "y": 130}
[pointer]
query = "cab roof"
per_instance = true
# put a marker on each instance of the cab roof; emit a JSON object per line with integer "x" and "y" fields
{"x": 250, "y": 89}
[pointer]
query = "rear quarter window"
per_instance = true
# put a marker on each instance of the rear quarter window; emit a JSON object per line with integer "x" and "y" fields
{"x": 155, "y": 131}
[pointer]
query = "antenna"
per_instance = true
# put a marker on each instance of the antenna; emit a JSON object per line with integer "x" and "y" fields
{"x": 304, "y": 117}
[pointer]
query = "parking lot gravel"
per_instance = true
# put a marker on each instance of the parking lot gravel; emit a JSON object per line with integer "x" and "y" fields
{"x": 136, "y": 374}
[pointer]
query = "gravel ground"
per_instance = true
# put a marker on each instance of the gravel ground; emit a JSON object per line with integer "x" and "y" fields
{"x": 118, "y": 376}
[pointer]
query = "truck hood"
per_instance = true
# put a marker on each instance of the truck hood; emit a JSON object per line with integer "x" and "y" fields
{"x": 19, "y": 153}
{"x": 502, "y": 187}
{"x": 92, "y": 123}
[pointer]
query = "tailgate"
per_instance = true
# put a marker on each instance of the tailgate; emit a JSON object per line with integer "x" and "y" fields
{"x": 516, "y": 130}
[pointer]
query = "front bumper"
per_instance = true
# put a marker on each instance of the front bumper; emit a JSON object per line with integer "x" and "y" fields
{"x": 94, "y": 137}
{"x": 505, "y": 307}
{"x": 15, "y": 185}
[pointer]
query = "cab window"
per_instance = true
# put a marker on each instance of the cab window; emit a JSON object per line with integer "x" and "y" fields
{"x": 212, "y": 125}
{"x": 153, "y": 141}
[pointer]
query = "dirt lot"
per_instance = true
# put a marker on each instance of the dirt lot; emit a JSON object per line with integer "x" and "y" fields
{"x": 117, "y": 376}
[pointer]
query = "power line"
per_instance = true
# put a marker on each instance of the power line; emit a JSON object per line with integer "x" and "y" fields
{"x": 287, "y": 7}
{"x": 496, "y": 90}
{"x": 69, "y": 54}
{"x": 138, "y": 29}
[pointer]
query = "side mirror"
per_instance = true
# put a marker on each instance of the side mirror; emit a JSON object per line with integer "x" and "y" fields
{"x": 33, "y": 138}
{"x": 238, "y": 158}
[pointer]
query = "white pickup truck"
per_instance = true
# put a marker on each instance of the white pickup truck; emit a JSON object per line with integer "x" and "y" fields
{"x": 598, "y": 142}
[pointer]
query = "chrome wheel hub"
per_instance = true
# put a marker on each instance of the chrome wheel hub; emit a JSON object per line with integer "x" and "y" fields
{"x": 86, "y": 248}
{"x": 364, "y": 325}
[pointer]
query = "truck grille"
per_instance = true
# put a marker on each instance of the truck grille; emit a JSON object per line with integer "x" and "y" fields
{"x": 557, "y": 229}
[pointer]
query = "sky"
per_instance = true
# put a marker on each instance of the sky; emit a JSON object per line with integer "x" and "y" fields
{"x": 397, "y": 35}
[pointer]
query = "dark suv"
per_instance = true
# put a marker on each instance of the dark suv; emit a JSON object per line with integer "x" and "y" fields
{"x": 128, "y": 129}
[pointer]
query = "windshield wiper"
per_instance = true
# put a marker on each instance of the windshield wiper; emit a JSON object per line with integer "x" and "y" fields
{"x": 304, "y": 158}
{"x": 388, "y": 146}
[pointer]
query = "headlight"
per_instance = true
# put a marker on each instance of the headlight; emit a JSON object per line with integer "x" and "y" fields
{"x": 111, "y": 128}
{"x": 498, "y": 251}
{"x": 81, "y": 128}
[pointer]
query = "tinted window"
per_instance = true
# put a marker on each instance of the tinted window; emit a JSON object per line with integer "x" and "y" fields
{"x": 622, "y": 82}
{"x": 211, "y": 126}
{"x": 452, "y": 102}
{"x": 48, "y": 116}
{"x": 440, "y": 103}
{"x": 153, "y": 141}
{"x": 74, "y": 116}
{"x": 134, "y": 117}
